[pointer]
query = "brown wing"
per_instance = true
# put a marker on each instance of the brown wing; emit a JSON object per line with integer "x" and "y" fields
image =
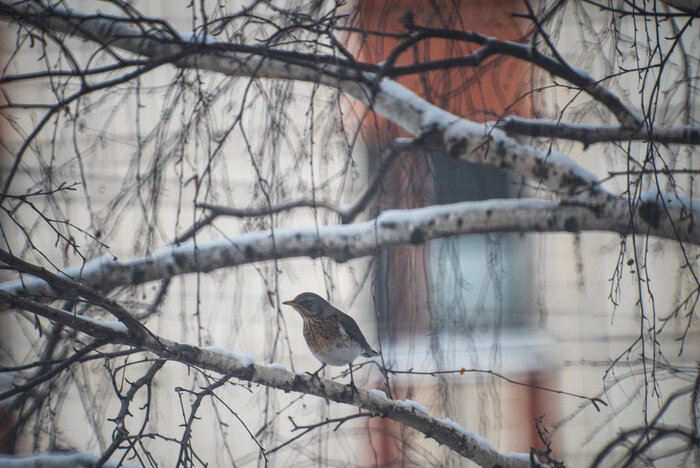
{"x": 355, "y": 333}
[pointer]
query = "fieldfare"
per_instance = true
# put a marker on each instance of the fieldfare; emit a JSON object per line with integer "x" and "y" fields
{"x": 332, "y": 336}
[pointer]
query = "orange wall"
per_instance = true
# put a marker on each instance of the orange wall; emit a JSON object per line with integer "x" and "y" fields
{"x": 479, "y": 94}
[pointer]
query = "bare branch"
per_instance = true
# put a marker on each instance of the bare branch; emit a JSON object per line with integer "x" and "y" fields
{"x": 589, "y": 134}
{"x": 556, "y": 67}
{"x": 266, "y": 211}
{"x": 463, "y": 442}
{"x": 120, "y": 432}
{"x": 63, "y": 365}
{"x": 389, "y": 229}
{"x": 67, "y": 287}
{"x": 457, "y": 137}
{"x": 54, "y": 460}
{"x": 595, "y": 401}
{"x": 347, "y": 213}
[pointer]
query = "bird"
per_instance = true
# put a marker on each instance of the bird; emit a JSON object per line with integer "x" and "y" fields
{"x": 332, "y": 336}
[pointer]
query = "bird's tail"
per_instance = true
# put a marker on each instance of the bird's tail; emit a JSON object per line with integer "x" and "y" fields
{"x": 369, "y": 352}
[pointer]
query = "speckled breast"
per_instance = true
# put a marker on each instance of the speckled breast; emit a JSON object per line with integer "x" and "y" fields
{"x": 329, "y": 343}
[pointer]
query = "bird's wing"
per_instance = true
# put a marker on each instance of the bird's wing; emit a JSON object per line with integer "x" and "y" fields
{"x": 354, "y": 332}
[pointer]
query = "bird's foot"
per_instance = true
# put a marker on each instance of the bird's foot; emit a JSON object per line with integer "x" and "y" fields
{"x": 315, "y": 374}
{"x": 353, "y": 387}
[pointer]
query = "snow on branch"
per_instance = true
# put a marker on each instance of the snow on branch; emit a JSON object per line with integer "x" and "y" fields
{"x": 529, "y": 53}
{"x": 669, "y": 218}
{"x": 113, "y": 331}
{"x": 459, "y": 138}
{"x": 242, "y": 367}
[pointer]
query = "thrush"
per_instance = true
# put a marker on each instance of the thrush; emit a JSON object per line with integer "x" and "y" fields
{"x": 332, "y": 336}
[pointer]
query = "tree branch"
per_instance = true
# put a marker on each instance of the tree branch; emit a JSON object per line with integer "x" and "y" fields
{"x": 390, "y": 229}
{"x": 556, "y": 67}
{"x": 447, "y": 432}
{"x": 588, "y": 134}
{"x": 457, "y": 137}
{"x": 68, "y": 287}
{"x": 218, "y": 210}
{"x": 55, "y": 460}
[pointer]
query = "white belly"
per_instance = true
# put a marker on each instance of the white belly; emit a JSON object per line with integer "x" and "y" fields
{"x": 338, "y": 355}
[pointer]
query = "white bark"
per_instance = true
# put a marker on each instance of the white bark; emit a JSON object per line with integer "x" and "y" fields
{"x": 446, "y": 432}
{"x": 587, "y": 207}
{"x": 435, "y": 127}
{"x": 343, "y": 242}
{"x": 477, "y": 143}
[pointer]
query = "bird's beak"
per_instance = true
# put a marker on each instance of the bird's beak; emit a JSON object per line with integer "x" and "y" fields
{"x": 290, "y": 303}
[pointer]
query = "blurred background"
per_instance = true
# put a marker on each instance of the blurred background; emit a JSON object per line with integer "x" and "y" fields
{"x": 561, "y": 311}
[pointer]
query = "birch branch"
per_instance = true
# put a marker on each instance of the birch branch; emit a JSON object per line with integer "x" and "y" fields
{"x": 390, "y": 229}
{"x": 67, "y": 287}
{"x": 458, "y": 137}
{"x": 242, "y": 367}
{"x": 528, "y": 53}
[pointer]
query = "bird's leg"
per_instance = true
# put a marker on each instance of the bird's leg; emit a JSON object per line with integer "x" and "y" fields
{"x": 352, "y": 380}
{"x": 315, "y": 374}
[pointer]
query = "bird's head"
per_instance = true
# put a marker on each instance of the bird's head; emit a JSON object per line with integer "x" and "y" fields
{"x": 310, "y": 305}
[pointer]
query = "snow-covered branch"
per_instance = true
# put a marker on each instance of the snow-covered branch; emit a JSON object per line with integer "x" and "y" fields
{"x": 527, "y": 52}
{"x": 390, "y": 229}
{"x": 457, "y": 137}
{"x": 112, "y": 331}
{"x": 242, "y": 366}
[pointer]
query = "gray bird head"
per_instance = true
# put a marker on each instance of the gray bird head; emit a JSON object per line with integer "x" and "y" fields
{"x": 310, "y": 305}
